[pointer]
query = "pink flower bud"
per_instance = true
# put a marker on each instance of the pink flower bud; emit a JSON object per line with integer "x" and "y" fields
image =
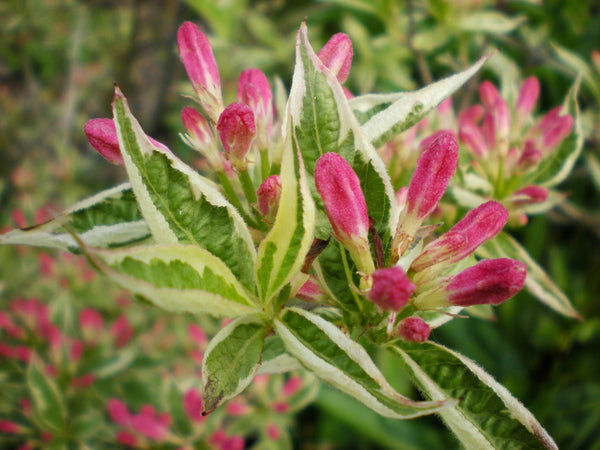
{"x": 197, "y": 334}
{"x": 122, "y": 331}
{"x": 196, "y": 126}
{"x": 555, "y": 133}
{"x": 336, "y": 54}
{"x": 273, "y": 432}
{"x": 199, "y": 62}
{"x": 530, "y": 156}
{"x": 149, "y": 426}
{"x": 237, "y": 131}
{"x": 237, "y": 408}
{"x": 489, "y": 281}
{"x": 528, "y": 95}
{"x": 488, "y": 94}
{"x": 118, "y": 412}
{"x": 501, "y": 116}
{"x": 76, "y": 350}
{"x": 7, "y": 426}
{"x": 435, "y": 167}
{"x": 391, "y": 288}
{"x": 291, "y": 386}
{"x": 269, "y": 193}
{"x": 126, "y": 438}
{"x": 529, "y": 195}
{"x": 91, "y": 320}
{"x": 344, "y": 203}
{"x": 233, "y": 443}
{"x": 311, "y": 291}
{"x": 102, "y": 135}
{"x": 401, "y": 197}
{"x": 192, "y": 403}
{"x": 254, "y": 90}
{"x": 478, "y": 225}
{"x": 414, "y": 329}
{"x": 83, "y": 381}
{"x": 472, "y": 114}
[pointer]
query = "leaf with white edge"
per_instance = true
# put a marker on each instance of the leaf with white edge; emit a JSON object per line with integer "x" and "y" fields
{"x": 489, "y": 22}
{"x": 179, "y": 205}
{"x": 323, "y": 122}
{"x": 275, "y": 359}
{"x": 231, "y": 361}
{"x": 109, "y": 218}
{"x": 555, "y": 167}
{"x": 48, "y": 404}
{"x": 488, "y": 415}
{"x": 384, "y": 116}
{"x": 177, "y": 278}
{"x": 281, "y": 254}
{"x": 335, "y": 358}
{"x": 537, "y": 281}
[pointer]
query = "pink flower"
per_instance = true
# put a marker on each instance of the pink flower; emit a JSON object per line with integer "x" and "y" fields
{"x": 196, "y": 126}
{"x": 414, "y": 329}
{"x": 488, "y": 94}
{"x": 254, "y": 90}
{"x": 126, "y": 438}
{"x": 291, "y": 386}
{"x": 489, "y": 281}
{"x": 478, "y": 225}
{"x": 122, "y": 331}
{"x": 192, "y": 403}
{"x": 148, "y": 424}
{"x": 199, "y": 62}
{"x": 237, "y": 132}
{"x": 269, "y": 193}
{"x": 344, "y": 203}
{"x": 118, "y": 412}
{"x": 237, "y": 408}
{"x": 391, "y": 288}
{"x": 7, "y": 426}
{"x": 273, "y": 432}
{"x": 529, "y": 195}
{"x": 528, "y": 95}
{"x": 311, "y": 291}
{"x": 197, "y": 334}
{"x": 90, "y": 321}
{"x": 83, "y": 381}
{"x": 336, "y": 54}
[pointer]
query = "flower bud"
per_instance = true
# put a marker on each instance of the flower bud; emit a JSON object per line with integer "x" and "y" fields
{"x": 556, "y": 132}
{"x": 237, "y": 132}
{"x": 192, "y": 403}
{"x": 199, "y": 62}
{"x": 529, "y": 195}
{"x": 501, "y": 116}
{"x": 528, "y": 95}
{"x": 336, "y": 54}
{"x": 478, "y": 225}
{"x": 199, "y": 136}
{"x": 345, "y": 206}
{"x": 472, "y": 114}
{"x": 488, "y": 94}
{"x": 489, "y": 281}
{"x": 530, "y": 156}
{"x": 311, "y": 291}
{"x": 391, "y": 288}
{"x": 435, "y": 167}
{"x": 414, "y": 329}
{"x": 269, "y": 193}
{"x": 254, "y": 91}
{"x": 102, "y": 135}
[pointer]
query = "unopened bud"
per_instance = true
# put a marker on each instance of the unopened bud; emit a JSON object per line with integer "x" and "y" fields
{"x": 254, "y": 90}
{"x": 237, "y": 132}
{"x": 528, "y": 95}
{"x": 391, "y": 288}
{"x": 269, "y": 193}
{"x": 529, "y": 195}
{"x": 554, "y": 134}
{"x": 336, "y": 54}
{"x": 488, "y": 94}
{"x": 344, "y": 203}
{"x": 199, "y": 62}
{"x": 491, "y": 281}
{"x": 200, "y": 137}
{"x": 311, "y": 291}
{"x": 530, "y": 156}
{"x": 478, "y": 225}
{"x": 414, "y": 329}
{"x": 471, "y": 135}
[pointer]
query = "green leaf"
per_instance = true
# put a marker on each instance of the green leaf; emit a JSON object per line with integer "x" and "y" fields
{"x": 179, "y": 205}
{"x": 48, "y": 403}
{"x": 281, "y": 254}
{"x": 174, "y": 398}
{"x": 385, "y": 115}
{"x": 178, "y": 278}
{"x": 537, "y": 281}
{"x": 488, "y": 416}
{"x": 334, "y": 357}
{"x": 231, "y": 361}
{"x": 555, "y": 167}
{"x": 323, "y": 122}
{"x": 489, "y": 22}
{"x": 275, "y": 359}
{"x": 109, "y": 218}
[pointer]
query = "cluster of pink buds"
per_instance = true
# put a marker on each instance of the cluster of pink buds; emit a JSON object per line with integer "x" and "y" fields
{"x": 422, "y": 275}
{"x": 507, "y": 144}
{"x": 137, "y": 430}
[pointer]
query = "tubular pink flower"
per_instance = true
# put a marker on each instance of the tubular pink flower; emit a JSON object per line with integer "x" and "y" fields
{"x": 254, "y": 90}
{"x": 196, "y": 126}
{"x": 478, "y": 225}
{"x": 7, "y": 426}
{"x": 102, "y": 135}
{"x": 391, "y": 288}
{"x": 199, "y": 62}
{"x": 345, "y": 206}
{"x": 528, "y": 95}
{"x": 501, "y": 115}
{"x": 336, "y": 54}
{"x": 472, "y": 114}
{"x": 414, "y": 329}
{"x": 192, "y": 403}
{"x": 491, "y": 281}
{"x": 269, "y": 193}
{"x": 488, "y": 94}
{"x": 556, "y": 132}
{"x": 237, "y": 132}
{"x": 435, "y": 167}
{"x": 530, "y": 156}
{"x": 118, "y": 412}
{"x": 529, "y": 195}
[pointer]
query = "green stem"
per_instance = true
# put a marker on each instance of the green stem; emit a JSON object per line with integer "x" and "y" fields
{"x": 265, "y": 167}
{"x": 248, "y": 186}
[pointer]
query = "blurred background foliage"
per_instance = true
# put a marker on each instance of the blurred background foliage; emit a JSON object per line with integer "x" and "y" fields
{"x": 60, "y": 58}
